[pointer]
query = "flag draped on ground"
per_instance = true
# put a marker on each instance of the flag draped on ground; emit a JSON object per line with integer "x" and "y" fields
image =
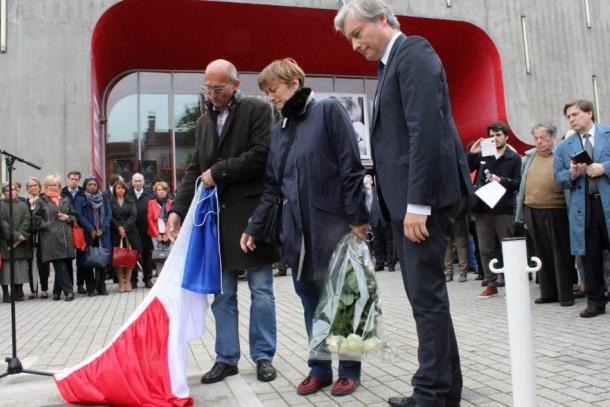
{"x": 145, "y": 364}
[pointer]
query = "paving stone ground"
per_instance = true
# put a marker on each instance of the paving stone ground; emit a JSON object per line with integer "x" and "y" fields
{"x": 572, "y": 353}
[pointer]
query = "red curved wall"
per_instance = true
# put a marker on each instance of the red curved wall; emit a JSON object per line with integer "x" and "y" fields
{"x": 188, "y": 34}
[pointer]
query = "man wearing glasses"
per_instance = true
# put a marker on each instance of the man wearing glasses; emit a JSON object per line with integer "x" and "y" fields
{"x": 232, "y": 142}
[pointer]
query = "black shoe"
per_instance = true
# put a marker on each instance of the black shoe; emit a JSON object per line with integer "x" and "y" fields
{"x": 592, "y": 311}
{"x": 55, "y": 297}
{"x": 265, "y": 372}
{"x": 566, "y": 303}
{"x": 579, "y": 294}
{"x": 103, "y": 292}
{"x": 544, "y": 300}
{"x": 479, "y": 277}
{"x": 218, "y": 372}
{"x": 91, "y": 294}
{"x": 402, "y": 402}
{"x": 280, "y": 273}
{"x": 134, "y": 285}
{"x": 392, "y": 268}
{"x": 81, "y": 290}
{"x": 69, "y": 297}
{"x": 148, "y": 284}
{"x": 378, "y": 268}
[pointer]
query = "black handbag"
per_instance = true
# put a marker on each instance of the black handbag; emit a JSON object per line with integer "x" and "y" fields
{"x": 97, "y": 256}
{"x": 273, "y": 224}
{"x": 161, "y": 252}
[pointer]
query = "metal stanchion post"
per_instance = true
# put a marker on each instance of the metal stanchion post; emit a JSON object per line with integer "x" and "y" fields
{"x": 519, "y": 317}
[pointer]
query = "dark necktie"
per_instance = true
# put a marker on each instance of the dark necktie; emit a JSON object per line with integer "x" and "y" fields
{"x": 380, "y": 68}
{"x": 589, "y": 149}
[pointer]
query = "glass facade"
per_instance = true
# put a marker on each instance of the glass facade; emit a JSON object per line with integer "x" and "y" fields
{"x": 152, "y": 118}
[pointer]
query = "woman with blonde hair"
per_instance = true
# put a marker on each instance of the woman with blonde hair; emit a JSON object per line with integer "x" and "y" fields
{"x": 157, "y": 214}
{"x": 314, "y": 166}
{"x": 53, "y": 217}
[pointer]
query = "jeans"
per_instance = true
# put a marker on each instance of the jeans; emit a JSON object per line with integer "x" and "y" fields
{"x": 263, "y": 332}
{"x": 309, "y": 292}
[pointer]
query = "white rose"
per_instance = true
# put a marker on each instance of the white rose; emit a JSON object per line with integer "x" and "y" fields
{"x": 371, "y": 344}
{"x": 352, "y": 346}
{"x": 333, "y": 343}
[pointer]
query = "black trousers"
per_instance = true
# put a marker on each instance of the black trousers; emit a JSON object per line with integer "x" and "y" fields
{"x": 596, "y": 240}
{"x": 438, "y": 381}
{"x": 62, "y": 279}
{"x": 383, "y": 246}
{"x": 550, "y": 234}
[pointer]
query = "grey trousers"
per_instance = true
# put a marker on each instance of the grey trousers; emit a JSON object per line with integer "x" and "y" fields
{"x": 491, "y": 229}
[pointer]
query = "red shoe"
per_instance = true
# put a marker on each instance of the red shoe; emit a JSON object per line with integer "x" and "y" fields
{"x": 489, "y": 292}
{"x": 310, "y": 386}
{"x": 343, "y": 387}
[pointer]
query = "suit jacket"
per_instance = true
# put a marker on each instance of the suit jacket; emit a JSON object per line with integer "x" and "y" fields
{"x": 237, "y": 159}
{"x": 418, "y": 155}
{"x": 141, "y": 210}
{"x": 577, "y": 201}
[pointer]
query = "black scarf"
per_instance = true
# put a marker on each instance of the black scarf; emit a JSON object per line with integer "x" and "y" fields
{"x": 295, "y": 106}
{"x": 162, "y": 202}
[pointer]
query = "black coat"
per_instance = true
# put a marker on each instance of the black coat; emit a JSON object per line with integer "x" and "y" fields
{"x": 141, "y": 222}
{"x": 237, "y": 160}
{"x": 322, "y": 185}
{"x": 22, "y": 227}
{"x": 508, "y": 168}
{"x": 125, "y": 215}
{"x": 54, "y": 235}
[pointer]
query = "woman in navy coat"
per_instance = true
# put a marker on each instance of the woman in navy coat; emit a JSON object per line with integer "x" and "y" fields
{"x": 323, "y": 197}
{"x": 94, "y": 215}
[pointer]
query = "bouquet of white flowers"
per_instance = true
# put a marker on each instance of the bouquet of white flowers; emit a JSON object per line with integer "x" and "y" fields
{"x": 347, "y": 320}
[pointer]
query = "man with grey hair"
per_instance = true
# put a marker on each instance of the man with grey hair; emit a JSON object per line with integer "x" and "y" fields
{"x": 422, "y": 175}
{"x": 541, "y": 205}
{"x": 141, "y": 195}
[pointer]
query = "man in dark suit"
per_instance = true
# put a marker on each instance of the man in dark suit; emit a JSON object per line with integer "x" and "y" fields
{"x": 141, "y": 195}
{"x": 421, "y": 176}
{"x": 71, "y": 191}
{"x": 232, "y": 143}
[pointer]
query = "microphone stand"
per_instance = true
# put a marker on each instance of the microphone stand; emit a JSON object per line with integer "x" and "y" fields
{"x": 14, "y": 365}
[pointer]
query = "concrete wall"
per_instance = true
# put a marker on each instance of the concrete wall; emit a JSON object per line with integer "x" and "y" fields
{"x": 44, "y": 77}
{"x": 44, "y": 84}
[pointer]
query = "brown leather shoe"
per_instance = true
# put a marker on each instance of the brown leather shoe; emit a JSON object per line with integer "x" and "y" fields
{"x": 343, "y": 387}
{"x": 311, "y": 385}
{"x": 592, "y": 311}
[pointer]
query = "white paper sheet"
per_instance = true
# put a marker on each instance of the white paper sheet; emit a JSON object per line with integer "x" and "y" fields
{"x": 491, "y": 193}
{"x": 488, "y": 147}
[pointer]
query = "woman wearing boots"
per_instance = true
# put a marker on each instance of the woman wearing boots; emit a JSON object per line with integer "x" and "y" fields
{"x": 20, "y": 240}
{"x": 123, "y": 228}
{"x": 53, "y": 216}
{"x": 34, "y": 189}
{"x": 94, "y": 215}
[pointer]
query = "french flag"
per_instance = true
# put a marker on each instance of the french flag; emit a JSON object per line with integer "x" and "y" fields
{"x": 145, "y": 364}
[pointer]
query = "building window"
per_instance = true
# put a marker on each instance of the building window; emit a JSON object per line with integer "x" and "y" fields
{"x": 3, "y": 26}
{"x": 152, "y": 117}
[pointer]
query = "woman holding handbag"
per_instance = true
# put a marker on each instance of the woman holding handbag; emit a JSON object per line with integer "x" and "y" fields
{"x": 94, "y": 215}
{"x": 123, "y": 229}
{"x": 52, "y": 218}
{"x": 156, "y": 215}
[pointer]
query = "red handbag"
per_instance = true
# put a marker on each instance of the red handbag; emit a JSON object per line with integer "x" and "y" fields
{"x": 124, "y": 256}
{"x": 78, "y": 237}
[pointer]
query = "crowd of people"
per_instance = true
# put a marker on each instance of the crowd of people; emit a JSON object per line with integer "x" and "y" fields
{"x": 306, "y": 170}
{"x": 45, "y": 235}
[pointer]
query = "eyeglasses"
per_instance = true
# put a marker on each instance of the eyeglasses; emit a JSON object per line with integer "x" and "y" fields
{"x": 214, "y": 89}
